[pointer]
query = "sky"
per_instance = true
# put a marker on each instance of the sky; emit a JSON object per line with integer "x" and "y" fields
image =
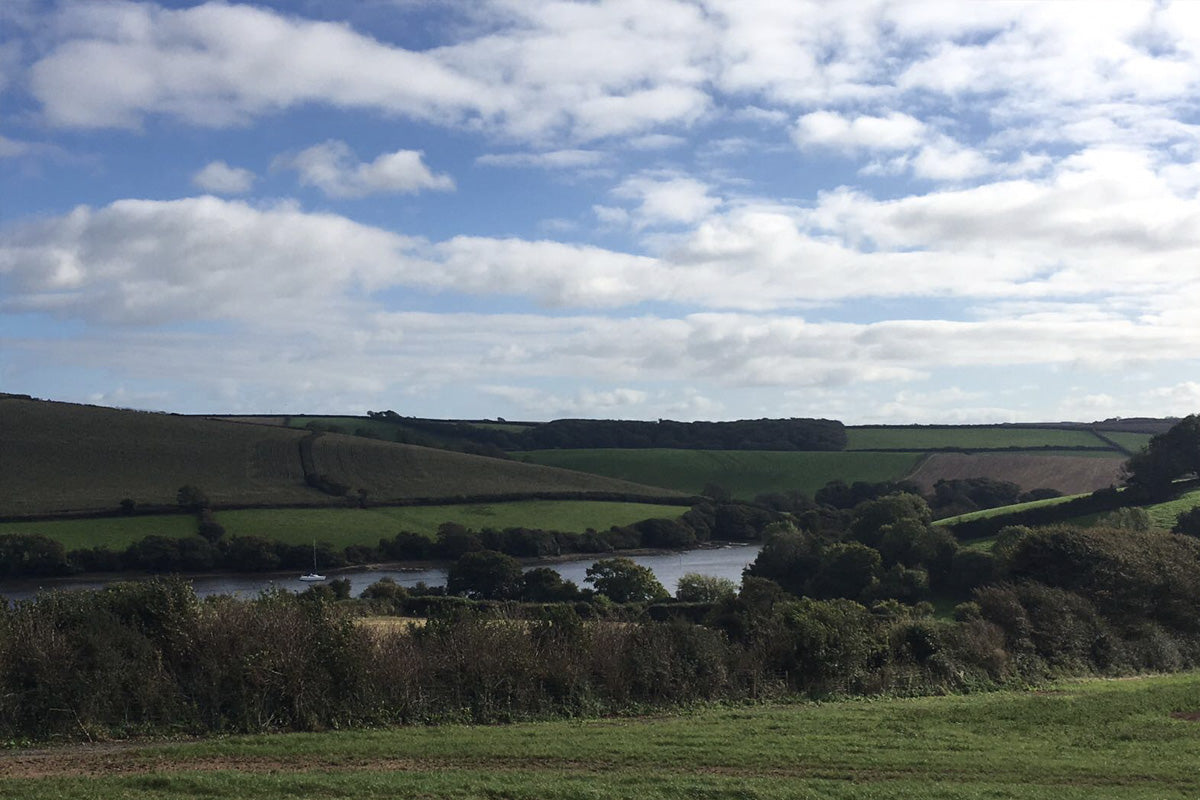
{"x": 640, "y": 209}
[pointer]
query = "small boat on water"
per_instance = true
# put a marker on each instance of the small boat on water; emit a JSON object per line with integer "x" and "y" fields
{"x": 313, "y": 576}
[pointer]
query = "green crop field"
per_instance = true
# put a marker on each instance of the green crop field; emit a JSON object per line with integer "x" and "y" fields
{"x": 112, "y": 532}
{"x": 967, "y": 438}
{"x": 1093, "y": 740}
{"x": 347, "y": 526}
{"x": 745, "y": 473}
{"x": 342, "y": 527}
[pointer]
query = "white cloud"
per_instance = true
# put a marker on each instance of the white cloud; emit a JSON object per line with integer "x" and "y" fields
{"x": 553, "y": 159}
{"x": 332, "y": 167}
{"x": 219, "y": 177}
{"x": 670, "y": 200}
{"x": 896, "y": 131}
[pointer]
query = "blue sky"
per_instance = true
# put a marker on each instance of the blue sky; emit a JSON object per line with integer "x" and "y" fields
{"x": 711, "y": 209}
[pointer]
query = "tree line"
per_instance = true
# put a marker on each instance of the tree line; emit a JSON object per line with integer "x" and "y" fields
{"x": 758, "y": 434}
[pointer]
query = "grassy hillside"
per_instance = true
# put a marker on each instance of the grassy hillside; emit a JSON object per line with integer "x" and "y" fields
{"x": 347, "y": 526}
{"x": 967, "y": 437}
{"x": 1131, "y": 739}
{"x": 60, "y": 457}
{"x": 745, "y": 473}
{"x": 64, "y": 457}
{"x": 342, "y": 527}
{"x": 1163, "y": 515}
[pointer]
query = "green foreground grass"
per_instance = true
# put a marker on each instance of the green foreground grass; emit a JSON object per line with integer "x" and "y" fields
{"x": 969, "y": 438}
{"x": 745, "y": 473}
{"x": 1091, "y": 739}
{"x": 1163, "y": 515}
{"x": 342, "y": 527}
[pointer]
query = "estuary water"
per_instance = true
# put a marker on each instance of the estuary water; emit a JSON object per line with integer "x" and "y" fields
{"x": 726, "y": 561}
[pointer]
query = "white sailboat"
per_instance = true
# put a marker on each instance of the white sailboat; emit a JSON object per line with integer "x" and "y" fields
{"x": 313, "y": 576}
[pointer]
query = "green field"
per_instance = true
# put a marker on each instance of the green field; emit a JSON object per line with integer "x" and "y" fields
{"x": 1091, "y": 740}
{"x": 999, "y": 511}
{"x": 347, "y": 526}
{"x": 342, "y": 527}
{"x": 745, "y": 473}
{"x": 111, "y": 532}
{"x": 1133, "y": 442}
{"x": 1164, "y": 514}
{"x": 967, "y": 437}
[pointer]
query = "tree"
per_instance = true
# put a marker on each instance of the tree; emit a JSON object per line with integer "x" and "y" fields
{"x": 486, "y": 574}
{"x": 1169, "y": 456}
{"x": 190, "y": 498}
{"x": 696, "y": 588}
{"x": 545, "y": 585}
{"x": 1188, "y": 523}
{"x": 870, "y": 517}
{"x": 623, "y": 581}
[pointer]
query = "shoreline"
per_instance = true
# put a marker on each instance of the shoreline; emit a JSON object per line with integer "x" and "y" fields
{"x": 25, "y": 585}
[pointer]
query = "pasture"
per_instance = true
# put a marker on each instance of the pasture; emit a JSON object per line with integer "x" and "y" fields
{"x": 968, "y": 437}
{"x": 988, "y": 513}
{"x": 115, "y": 533}
{"x": 1133, "y": 442}
{"x": 745, "y": 473}
{"x": 1163, "y": 515}
{"x": 342, "y": 527}
{"x": 1135, "y": 739}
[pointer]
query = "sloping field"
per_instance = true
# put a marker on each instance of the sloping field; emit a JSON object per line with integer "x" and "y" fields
{"x": 60, "y": 457}
{"x": 64, "y": 457}
{"x": 401, "y": 472}
{"x": 342, "y": 527}
{"x": 1132, "y": 739}
{"x": 967, "y": 437}
{"x": 745, "y": 473}
{"x": 1066, "y": 473}
{"x": 1133, "y": 442}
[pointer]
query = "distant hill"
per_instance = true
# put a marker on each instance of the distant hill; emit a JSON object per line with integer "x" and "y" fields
{"x": 61, "y": 457}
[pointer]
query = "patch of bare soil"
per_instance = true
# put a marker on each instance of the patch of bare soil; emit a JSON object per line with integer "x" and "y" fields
{"x": 1190, "y": 716}
{"x": 1067, "y": 474}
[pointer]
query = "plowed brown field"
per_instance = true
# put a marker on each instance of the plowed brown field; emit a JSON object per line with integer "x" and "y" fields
{"x": 1067, "y": 474}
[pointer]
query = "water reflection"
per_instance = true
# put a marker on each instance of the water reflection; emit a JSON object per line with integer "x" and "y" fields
{"x": 722, "y": 562}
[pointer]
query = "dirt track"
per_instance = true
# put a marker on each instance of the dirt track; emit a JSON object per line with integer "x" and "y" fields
{"x": 1067, "y": 474}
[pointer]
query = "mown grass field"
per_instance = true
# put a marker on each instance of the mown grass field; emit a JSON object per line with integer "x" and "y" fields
{"x": 112, "y": 532}
{"x": 745, "y": 473}
{"x": 342, "y": 527}
{"x": 967, "y": 437}
{"x": 1091, "y": 740}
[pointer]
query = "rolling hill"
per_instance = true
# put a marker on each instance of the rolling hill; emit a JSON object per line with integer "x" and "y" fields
{"x": 61, "y": 458}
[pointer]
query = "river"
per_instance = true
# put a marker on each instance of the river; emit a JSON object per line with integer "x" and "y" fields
{"x": 725, "y": 561}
